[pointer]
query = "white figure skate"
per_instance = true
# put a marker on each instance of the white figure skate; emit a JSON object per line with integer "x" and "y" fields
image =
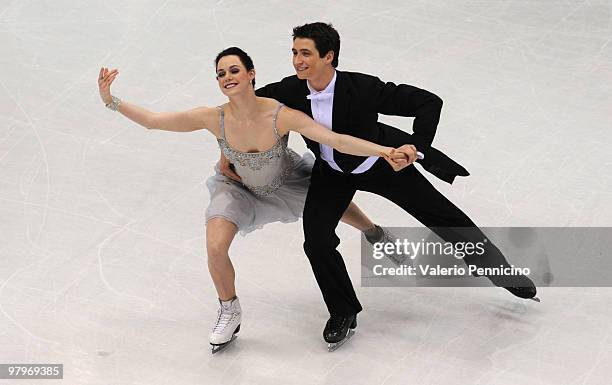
{"x": 227, "y": 325}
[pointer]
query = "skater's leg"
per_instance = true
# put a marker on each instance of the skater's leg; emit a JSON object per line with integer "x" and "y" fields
{"x": 326, "y": 201}
{"x": 374, "y": 233}
{"x": 328, "y": 196}
{"x": 219, "y": 235}
{"x": 410, "y": 190}
{"x": 353, "y": 216}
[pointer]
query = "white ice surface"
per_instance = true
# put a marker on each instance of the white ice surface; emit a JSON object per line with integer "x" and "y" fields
{"x": 102, "y": 259}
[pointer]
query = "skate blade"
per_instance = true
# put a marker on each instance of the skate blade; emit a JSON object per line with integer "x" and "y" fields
{"x": 335, "y": 345}
{"x": 221, "y": 347}
{"x": 536, "y": 299}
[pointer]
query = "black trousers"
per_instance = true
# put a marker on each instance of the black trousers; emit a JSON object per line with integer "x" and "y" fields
{"x": 331, "y": 192}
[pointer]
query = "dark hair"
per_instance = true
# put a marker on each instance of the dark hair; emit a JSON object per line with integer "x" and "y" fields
{"x": 244, "y": 58}
{"x": 325, "y": 37}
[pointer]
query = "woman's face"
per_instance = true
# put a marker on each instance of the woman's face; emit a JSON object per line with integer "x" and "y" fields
{"x": 232, "y": 76}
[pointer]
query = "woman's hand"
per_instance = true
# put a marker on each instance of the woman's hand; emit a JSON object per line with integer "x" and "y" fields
{"x": 105, "y": 79}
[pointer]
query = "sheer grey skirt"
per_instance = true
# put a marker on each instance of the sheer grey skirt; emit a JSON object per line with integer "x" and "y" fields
{"x": 236, "y": 203}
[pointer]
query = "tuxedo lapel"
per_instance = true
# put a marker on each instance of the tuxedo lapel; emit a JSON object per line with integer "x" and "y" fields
{"x": 342, "y": 99}
{"x": 299, "y": 102}
{"x": 302, "y": 103}
{"x": 341, "y": 122}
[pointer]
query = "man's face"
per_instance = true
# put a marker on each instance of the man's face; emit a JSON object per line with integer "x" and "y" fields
{"x": 306, "y": 60}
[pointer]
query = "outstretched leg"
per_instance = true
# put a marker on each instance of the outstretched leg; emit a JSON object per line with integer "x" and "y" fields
{"x": 415, "y": 194}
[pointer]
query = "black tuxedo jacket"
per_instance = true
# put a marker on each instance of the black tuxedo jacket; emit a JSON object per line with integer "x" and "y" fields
{"x": 358, "y": 99}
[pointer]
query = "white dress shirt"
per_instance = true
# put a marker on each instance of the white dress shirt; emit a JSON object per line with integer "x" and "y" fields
{"x": 322, "y": 106}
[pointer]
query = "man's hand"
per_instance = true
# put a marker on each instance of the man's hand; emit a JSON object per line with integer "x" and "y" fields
{"x": 410, "y": 151}
{"x": 402, "y": 157}
{"x": 397, "y": 160}
{"x": 226, "y": 169}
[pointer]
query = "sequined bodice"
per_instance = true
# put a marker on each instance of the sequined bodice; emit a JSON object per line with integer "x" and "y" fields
{"x": 261, "y": 172}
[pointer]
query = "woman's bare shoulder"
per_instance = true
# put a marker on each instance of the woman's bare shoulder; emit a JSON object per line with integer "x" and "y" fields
{"x": 291, "y": 120}
{"x": 210, "y": 117}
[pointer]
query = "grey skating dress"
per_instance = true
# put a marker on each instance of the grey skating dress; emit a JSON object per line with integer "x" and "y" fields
{"x": 274, "y": 184}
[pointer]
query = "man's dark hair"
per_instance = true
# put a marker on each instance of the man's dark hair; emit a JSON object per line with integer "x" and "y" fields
{"x": 244, "y": 58}
{"x": 325, "y": 37}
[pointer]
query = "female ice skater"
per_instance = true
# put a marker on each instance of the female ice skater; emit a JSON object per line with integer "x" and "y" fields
{"x": 253, "y": 133}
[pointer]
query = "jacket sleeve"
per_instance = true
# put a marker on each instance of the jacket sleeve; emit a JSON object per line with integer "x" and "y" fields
{"x": 435, "y": 161}
{"x": 404, "y": 100}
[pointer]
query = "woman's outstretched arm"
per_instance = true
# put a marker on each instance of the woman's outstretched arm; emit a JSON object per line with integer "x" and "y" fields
{"x": 182, "y": 121}
{"x": 293, "y": 120}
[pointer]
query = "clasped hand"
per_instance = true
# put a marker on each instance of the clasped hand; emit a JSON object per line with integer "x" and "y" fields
{"x": 401, "y": 157}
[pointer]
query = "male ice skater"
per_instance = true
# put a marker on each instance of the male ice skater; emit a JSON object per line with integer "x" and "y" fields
{"x": 349, "y": 103}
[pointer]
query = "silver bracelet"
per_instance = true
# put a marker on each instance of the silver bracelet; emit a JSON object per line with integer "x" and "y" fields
{"x": 114, "y": 105}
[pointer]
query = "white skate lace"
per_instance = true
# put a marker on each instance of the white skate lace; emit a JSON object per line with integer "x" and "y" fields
{"x": 223, "y": 319}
